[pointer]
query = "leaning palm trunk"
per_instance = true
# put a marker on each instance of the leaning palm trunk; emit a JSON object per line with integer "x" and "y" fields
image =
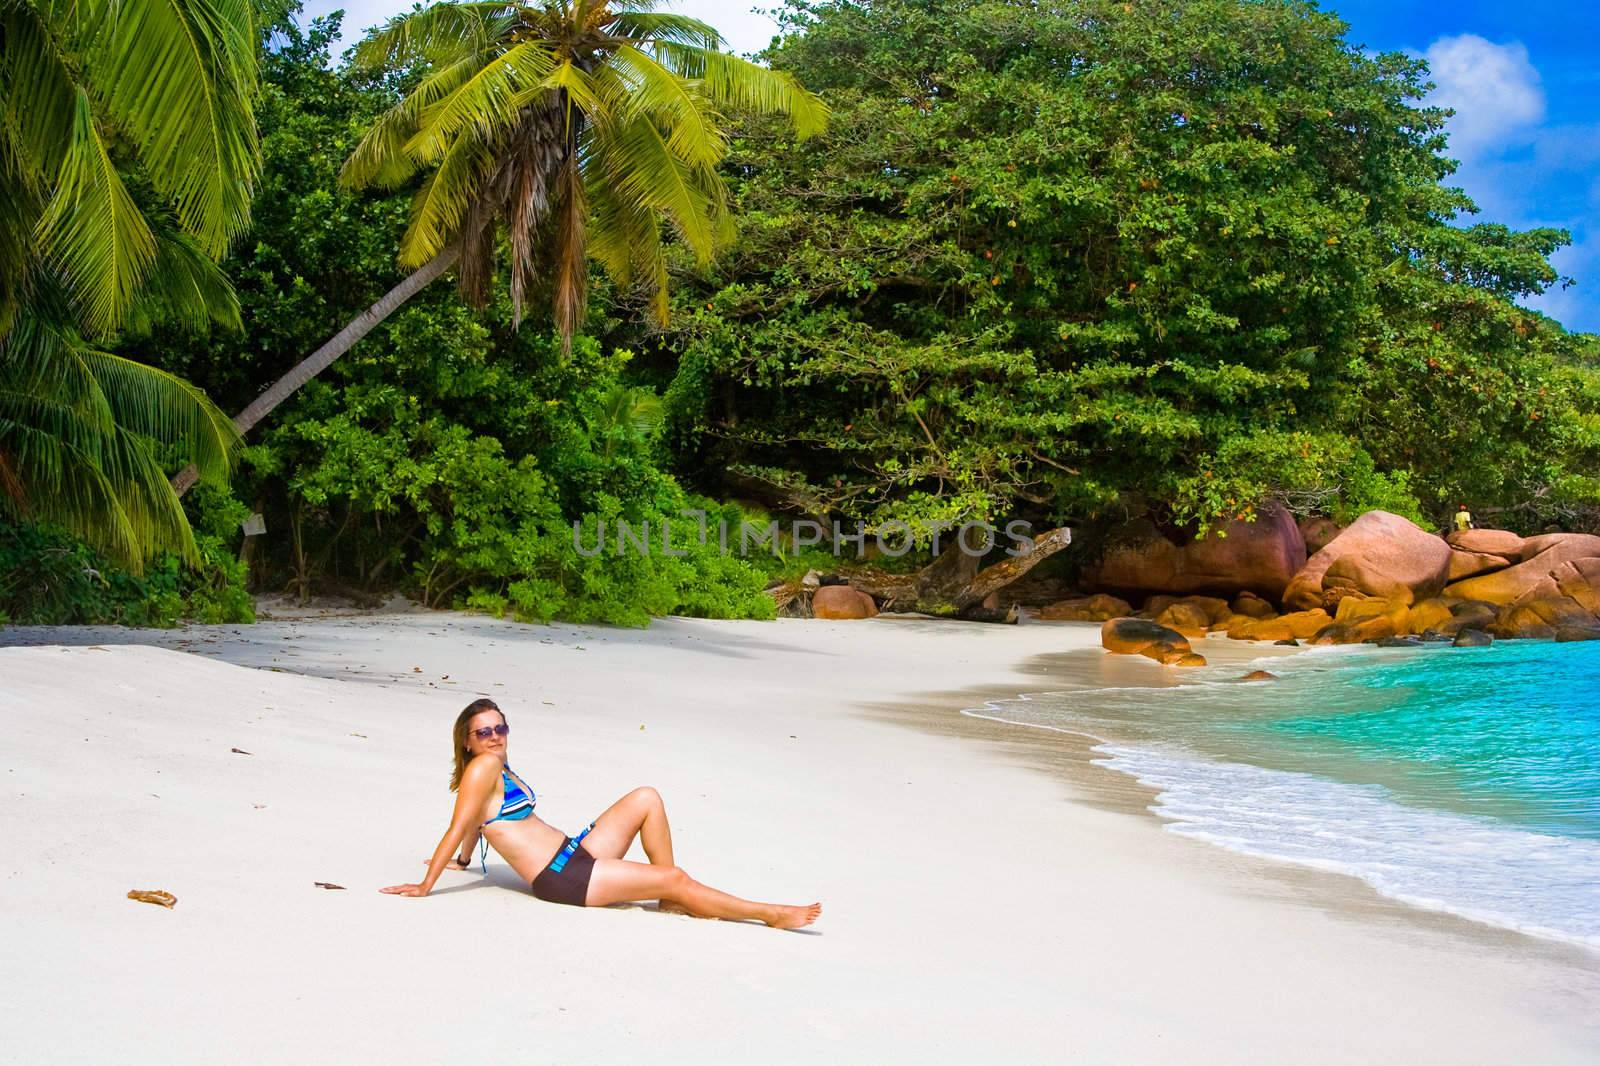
{"x": 323, "y": 357}
{"x": 577, "y": 128}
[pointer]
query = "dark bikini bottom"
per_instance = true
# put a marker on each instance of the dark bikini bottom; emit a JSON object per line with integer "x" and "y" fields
{"x": 566, "y": 879}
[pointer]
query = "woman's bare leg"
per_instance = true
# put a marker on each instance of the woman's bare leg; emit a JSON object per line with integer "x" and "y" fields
{"x": 642, "y": 814}
{"x": 638, "y": 814}
{"x": 620, "y": 881}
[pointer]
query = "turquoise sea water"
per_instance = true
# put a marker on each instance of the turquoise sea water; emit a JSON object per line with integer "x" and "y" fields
{"x": 1464, "y": 780}
{"x": 1511, "y": 731}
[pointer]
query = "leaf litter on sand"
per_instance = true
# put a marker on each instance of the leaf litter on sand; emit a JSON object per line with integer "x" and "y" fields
{"x": 154, "y": 895}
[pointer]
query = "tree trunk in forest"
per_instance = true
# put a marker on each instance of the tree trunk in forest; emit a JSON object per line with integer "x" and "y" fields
{"x": 323, "y": 357}
{"x": 952, "y": 584}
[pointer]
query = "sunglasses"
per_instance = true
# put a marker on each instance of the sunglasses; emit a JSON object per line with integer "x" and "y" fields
{"x": 491, "y": 731}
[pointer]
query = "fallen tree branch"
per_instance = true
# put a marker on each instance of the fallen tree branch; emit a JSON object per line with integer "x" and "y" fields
{"x": 952, "y": 583}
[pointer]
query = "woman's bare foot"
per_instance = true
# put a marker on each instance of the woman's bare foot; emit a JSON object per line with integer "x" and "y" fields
{"x": 793, "y": 917}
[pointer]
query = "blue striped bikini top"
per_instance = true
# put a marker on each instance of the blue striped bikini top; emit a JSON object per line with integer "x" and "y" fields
{"x": 517, "y": 804}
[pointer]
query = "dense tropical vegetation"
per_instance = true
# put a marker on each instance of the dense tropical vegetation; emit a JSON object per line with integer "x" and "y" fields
{"x": 128, "y": 159}
{"x": 565, "y": 132}
{"x": 1072, "y": 264}
{"x": 1100, "y": 259}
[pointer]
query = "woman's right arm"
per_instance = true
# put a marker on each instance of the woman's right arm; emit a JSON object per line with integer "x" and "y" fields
{"x": 476, "y": 784}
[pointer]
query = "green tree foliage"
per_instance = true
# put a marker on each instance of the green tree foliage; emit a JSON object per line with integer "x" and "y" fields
{"x": 127, "y": 160}
{"x": 449, "y": 456}
{"x": 574, "y": 130}
{"x": 576, "y": 126}
{"x": 49, "y": 577}
{"x": 1093, "y": 259}
{"x": 1074, "y": 262}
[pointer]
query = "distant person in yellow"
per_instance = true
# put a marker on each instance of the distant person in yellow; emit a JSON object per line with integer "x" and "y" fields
{"x": 1463, "y": 519}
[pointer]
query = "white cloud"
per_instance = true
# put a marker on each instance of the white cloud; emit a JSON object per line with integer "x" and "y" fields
{"x": 1493, "y": 88}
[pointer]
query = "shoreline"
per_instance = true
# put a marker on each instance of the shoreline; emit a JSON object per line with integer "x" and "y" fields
{"x": 1075, "y": 755}
{"x": 979, "y": 898}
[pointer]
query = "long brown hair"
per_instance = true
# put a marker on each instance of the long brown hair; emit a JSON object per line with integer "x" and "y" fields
{"x": 458, "y": 736}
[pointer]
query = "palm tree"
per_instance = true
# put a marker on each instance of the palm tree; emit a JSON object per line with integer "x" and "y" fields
{"x": 127, "y": 158}
{"x": 76, "y": 432}
{"x": 569, "y": 130}
{"x": 625, "y": 415}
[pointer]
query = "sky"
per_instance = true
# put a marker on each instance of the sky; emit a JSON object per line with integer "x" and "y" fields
{"x": 1523, "y": 77}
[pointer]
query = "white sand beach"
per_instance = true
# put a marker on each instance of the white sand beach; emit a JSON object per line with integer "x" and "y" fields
{"x": 987, "y": 896}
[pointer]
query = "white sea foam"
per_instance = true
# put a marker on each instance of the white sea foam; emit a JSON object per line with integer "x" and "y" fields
{"x": 1477, "y": 868}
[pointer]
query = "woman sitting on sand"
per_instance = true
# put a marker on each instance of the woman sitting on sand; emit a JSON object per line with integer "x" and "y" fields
{"x": 587, "y": 870}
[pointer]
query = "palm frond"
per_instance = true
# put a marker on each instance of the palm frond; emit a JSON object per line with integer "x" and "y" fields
{"x": 92, "y": 234}
{"x": 57, "y": 411}
{"x": 69, "y": 488}
{"x": 635, "y": 159}
{"x": 164, "y": 407}
{"x": 42, "y": 364}
{"x": 11, "y": 486}
{"x": 444, "y": 199}
{"x": 184, "y": 287}
{"x": 71, "y": 463}
{"x": 178, "y": 78}
{"x": 78, "y": 426}
{"x": 653, "y": 26}
{"x": 625, "y": 413}
{"x": 645, "y": 412}
{"x": 691, "y": 129}
{"x": 488, "y": 102}
{"x": 580, "y": 87}
{"x": 380, "y": 157}
{"x": 439, "y": 34}
{"x": 614, "y": 226}
{"x": 146, "y": 497}
{"x": 625, "y": 238}
{"x": 20, "y": 207}
{"x": 733, "y": 82}
{"x": 37, "y": 94}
